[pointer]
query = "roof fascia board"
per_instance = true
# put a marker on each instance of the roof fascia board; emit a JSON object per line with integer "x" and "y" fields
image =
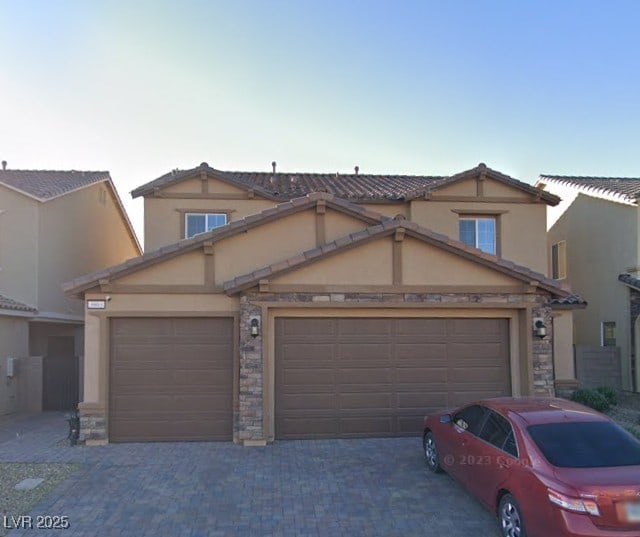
{"x": 19, "y": 191}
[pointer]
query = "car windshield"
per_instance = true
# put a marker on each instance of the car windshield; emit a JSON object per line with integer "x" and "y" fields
{"x": 586, "y": 444}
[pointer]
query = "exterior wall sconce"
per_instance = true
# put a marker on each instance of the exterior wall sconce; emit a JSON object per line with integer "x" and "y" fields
{"x": 255, "y": 327}
{"x": 539, "y": 328}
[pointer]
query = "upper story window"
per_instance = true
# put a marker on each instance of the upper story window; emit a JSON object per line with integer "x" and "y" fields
{"x": 195, "y": 223}
{"x": 479, "y": 232}
{"x": 559, "y": 260}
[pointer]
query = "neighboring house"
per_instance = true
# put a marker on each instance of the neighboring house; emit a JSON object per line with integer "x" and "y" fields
{"x": 54, "y": 226}
{"x": 593, "y": 240}
{"x": 298, "y": 305}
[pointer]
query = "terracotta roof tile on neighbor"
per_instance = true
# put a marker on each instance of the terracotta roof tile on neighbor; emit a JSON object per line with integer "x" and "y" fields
{"x": 629, "y": 280}
{"x": 7, "y": 303}
{"x": 47, "y": 184}
{"x": 625, "y": 187}
{"x": 350, "y": 186}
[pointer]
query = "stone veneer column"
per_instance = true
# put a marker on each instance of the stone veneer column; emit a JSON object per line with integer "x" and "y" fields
{"x": 93, "y": 430}
{"x": 248, "y": 422}
{"x": 543, "y": 381}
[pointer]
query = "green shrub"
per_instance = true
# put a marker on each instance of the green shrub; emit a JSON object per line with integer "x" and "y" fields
{"x": 591, "y": 398}
{"x": 609, "y": 393}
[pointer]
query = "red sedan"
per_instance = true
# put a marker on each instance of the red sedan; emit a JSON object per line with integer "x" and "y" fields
{"x": 546, "y": 467}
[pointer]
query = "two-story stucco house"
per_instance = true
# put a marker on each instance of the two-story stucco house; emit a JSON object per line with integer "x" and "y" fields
{"x": 593, "y": 239}
{"x": 54, "y": 226}
{"x": 304, "y": 305}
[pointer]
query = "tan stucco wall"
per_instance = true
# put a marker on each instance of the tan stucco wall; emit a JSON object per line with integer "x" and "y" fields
{"x": 563, "y": 361}
{"x": 521, "y": 226}
{"x": 264, "y": 245}
{"x": 601, "y": 244}
{"x": 14, "y": 342}
{"x": 19, "y": 243}
{"x": 369, "y": 264}
{"x": 185, "y": 269}
{"x": 163, "y": 216}
{"x": 423, "y": 264}
{"x": 338, "y": 225}
{"x": 388, "y": 209}
{"x": 79, "y": 233}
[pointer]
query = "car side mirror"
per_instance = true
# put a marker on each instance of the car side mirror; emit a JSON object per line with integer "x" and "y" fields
{"x": 445, "y": 418}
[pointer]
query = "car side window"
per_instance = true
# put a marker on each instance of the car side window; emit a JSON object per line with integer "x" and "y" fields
{"x": 470, "y": 418}
{"x": 498, "y": 431}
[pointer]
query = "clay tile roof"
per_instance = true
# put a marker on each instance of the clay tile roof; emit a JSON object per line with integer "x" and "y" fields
{"x": 629, "y": 280}
{"x": 48, "y": 184}
{"x": 626, "y": 188}
{"x": 7, "y": 303}
{"x": 571, "y": 301}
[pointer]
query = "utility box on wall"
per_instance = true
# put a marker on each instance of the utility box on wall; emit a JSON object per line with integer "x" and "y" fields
{"x": 12, "y": 367}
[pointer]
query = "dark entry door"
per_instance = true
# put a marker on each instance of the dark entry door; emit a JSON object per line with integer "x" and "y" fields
{"x": 60, "y": 374}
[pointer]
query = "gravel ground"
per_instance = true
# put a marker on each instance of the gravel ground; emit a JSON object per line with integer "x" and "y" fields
{"x": 627, "y": 412}
{"x": 20, "y": 502}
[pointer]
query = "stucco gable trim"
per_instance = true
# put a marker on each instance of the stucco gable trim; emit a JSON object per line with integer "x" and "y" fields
{"x": 81, "y": 284}
{"x": 482, "y": 170}
{"x": 173, "y": 178}
{"x": 388, "y": 228}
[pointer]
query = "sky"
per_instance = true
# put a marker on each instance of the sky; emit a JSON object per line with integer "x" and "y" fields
{"x": 141, "y": 87}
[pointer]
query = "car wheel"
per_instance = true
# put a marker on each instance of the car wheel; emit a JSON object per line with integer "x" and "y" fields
{"x": 431, "y": 452}
{"x": 511, "y": 521}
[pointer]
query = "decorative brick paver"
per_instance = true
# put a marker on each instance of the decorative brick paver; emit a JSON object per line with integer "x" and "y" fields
{"x": 315, "y": 488}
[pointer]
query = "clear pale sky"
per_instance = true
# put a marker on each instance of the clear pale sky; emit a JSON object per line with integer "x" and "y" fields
{"x": 417, "y": 87}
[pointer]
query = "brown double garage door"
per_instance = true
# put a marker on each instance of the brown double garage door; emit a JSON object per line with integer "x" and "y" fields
{"x": 354, "y": 377}
{"x": 171, "y": 379}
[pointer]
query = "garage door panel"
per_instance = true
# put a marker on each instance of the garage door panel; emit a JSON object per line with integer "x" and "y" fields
{"x": 355, "y": 328}
{"x": 171, "y": 379}
{"x": 433, "y": 353}
{"x": 373, "y": 375}
{"x": 315, "y": 352}
{"x": 384, "y": 373}
{"x": 323, "y": 327}
{"x": 360, "y": 352}
{"x": 312, "y": 376}
{"x": 354, "y": 401}
{"x": 365, "y": 426}
{"x": 308, "y": 401}
{"x": 421, "y": 375}
{"x": 420, "y": 327}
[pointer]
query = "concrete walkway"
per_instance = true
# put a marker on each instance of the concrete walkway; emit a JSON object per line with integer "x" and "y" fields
{"x": 368, "y": 487}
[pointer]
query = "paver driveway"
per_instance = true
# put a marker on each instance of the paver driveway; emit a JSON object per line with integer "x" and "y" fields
{"x": 376, "y": 487}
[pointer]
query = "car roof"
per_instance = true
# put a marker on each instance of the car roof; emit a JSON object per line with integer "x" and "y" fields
{"x": 535, "y": 410}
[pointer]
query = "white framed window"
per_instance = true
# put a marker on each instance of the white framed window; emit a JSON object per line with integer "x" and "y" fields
{"x": 559, "y": 260}
{"x": 608, "y": 334}
{"x": 195, "y": 223}
{"x": 479, "y": 232}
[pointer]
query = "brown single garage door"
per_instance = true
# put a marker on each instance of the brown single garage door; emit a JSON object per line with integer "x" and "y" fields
{"x": 171, "y": 379}
{"x": 353, "y": 377}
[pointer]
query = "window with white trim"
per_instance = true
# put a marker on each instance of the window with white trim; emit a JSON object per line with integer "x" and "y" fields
{"x": 559, "y": 260}
{"x": 479, "y": 232}
{"x": 195, "y": 223}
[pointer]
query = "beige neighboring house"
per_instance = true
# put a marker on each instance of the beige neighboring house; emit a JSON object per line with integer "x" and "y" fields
{"x": 594, "y": 245}
{"x": 54, "y": 226}
{"x": 302, "y": 305}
